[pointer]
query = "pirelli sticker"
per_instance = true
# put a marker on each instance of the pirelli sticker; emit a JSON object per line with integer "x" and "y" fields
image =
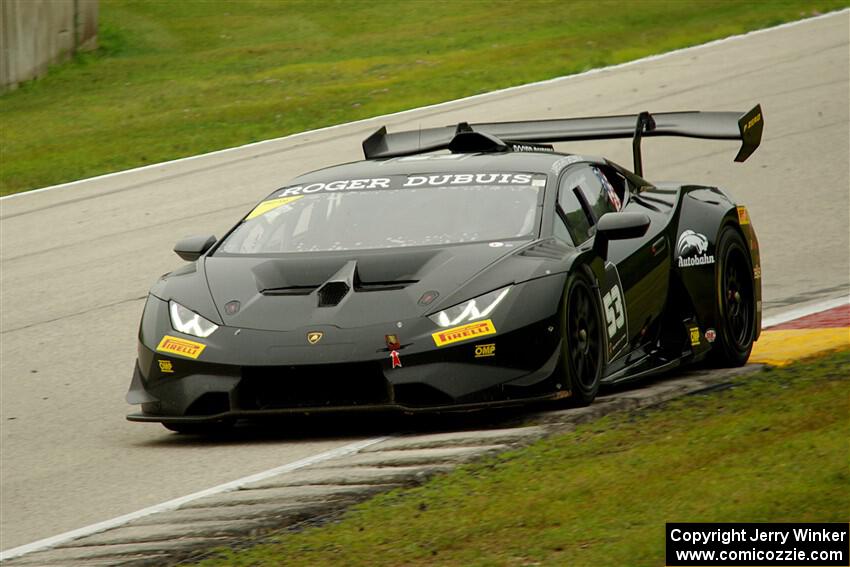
{"x": 464, "y": 332}
{"x": 180, "y": 347}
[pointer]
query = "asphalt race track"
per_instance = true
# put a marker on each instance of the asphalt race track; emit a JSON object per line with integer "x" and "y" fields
{"x": 77, "y": 261}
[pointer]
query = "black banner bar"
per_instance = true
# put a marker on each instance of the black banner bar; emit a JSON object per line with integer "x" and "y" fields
{"x": 758, "y": 545}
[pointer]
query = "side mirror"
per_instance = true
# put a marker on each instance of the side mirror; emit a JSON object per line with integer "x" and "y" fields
{"x": 193, "y": 247}
{"x": 618, "y": 226}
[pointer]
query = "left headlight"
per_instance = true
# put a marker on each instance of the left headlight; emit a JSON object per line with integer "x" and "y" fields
{"x": 187, "y": 321}
{"x": 471, "y": 310}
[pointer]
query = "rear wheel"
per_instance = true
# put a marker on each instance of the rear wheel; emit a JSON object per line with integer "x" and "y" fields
{"x": 582, "y": 350}
{"x": 735, "y": 301}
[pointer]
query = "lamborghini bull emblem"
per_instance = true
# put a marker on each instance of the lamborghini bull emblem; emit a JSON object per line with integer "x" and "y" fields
{"x": 314, "y": 336}
{"x": 693, "y": 248}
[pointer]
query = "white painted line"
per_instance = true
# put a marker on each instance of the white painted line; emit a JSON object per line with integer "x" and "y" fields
{"x": 49, "y": 542}
{"x": 442, "y": 104}
{"x": 799, "y": 312}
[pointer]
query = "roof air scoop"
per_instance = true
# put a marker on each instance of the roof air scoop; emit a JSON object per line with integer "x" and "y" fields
{"x": 332, "y": 292}
{"x": 466, "y": 141}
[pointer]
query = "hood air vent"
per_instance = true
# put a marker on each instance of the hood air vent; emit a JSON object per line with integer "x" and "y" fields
{"x": 338, "y": 285}
{"x": 292, "y": 290}
{"x": 332, "y": 293}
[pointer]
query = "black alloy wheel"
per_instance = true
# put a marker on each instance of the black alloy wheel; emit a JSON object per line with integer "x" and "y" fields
{"x": 735, "y": 300}
{"x": 582, "y": 355}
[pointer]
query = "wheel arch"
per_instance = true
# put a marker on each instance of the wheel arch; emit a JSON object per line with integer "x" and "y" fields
{"x": 707, "y": 211}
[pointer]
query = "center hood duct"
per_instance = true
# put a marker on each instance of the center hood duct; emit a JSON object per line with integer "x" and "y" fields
{"x": 334, "y": 290}
{"x": 353, "y": 289}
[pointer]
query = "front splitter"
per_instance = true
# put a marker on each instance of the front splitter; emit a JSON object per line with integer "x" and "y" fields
{"x": 373, "y": 408}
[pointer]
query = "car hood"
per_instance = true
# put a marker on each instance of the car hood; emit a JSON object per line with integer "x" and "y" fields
{"x": 360, "y": 288}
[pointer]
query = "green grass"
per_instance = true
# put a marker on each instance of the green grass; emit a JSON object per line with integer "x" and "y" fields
{"x": 174, "y": 79}
{"x": 774, "y": 448}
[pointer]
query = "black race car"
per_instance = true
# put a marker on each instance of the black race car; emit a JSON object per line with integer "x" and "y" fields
{"x": 456, "y": 268}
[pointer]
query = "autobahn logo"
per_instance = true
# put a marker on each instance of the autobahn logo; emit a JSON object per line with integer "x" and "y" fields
{"x": 693, "y": 250}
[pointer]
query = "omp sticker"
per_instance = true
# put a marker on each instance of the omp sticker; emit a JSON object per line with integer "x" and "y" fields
{"x": 165, "y": 366}
{"x": 270, "y": 205}
{"x": 464, "y": 332}
{"x": 181, "y": 347}
{"x": 743, "y": 215}
{"x": 694, "y": 335}
{"x": 482, "y": 351}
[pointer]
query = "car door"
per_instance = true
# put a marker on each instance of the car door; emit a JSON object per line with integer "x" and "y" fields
{"x": 633, "y": 290}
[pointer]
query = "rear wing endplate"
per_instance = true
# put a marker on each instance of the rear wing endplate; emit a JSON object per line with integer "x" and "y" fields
{"x": 746, "y": 127}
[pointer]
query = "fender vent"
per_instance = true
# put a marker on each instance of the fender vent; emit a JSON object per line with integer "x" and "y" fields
{"x": 549, "y": 249}
{"x": 332, "y": 293}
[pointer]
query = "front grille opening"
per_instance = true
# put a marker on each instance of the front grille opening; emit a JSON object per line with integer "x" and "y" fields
{"x": 210, "y": 403}
{"x": 330, "y": 385}
{"x": 418, "y": 394}
{"x": 332, "y": 293}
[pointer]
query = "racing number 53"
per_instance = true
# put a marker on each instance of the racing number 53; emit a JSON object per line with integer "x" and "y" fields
{"x": 614, "y": 313}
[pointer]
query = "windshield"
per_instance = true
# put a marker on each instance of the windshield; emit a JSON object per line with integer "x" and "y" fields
{"x": 391, "y": 212}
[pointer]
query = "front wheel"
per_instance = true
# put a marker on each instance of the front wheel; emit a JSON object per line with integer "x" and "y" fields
{"x": 735, "y": 301}
{"x": 583, "y": 343}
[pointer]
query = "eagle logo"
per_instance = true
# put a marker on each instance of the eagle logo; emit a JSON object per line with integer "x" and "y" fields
{"x": 691, "y": 242}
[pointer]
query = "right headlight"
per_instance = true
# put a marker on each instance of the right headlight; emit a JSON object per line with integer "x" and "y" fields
{"x": 187, "y": 321}
{"x": 472, "y": 310}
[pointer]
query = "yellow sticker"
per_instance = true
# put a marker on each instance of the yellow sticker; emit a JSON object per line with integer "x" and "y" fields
{"x": 270, "y": 205}
{"x": 743, "y": 215}
{"x": 694, "y": 336}
{"x": 753, "y": 121}
{"x": 165, "y": 366}
{"x": 482, "y": 351}
{"x": 464, "y": 332}
{"x": 182, "y": 347}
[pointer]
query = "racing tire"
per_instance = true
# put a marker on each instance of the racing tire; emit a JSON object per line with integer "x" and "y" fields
{"x": 735, "y": 301}
{"x": 583, "y": 343}
{"x": 215, "y": 428}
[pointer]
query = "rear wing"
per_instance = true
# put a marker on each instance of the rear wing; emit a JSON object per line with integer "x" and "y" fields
{"x": 498, "y": 136}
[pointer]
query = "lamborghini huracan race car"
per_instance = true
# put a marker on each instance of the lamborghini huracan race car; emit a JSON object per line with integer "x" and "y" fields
{"x": 456, "y": 268}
